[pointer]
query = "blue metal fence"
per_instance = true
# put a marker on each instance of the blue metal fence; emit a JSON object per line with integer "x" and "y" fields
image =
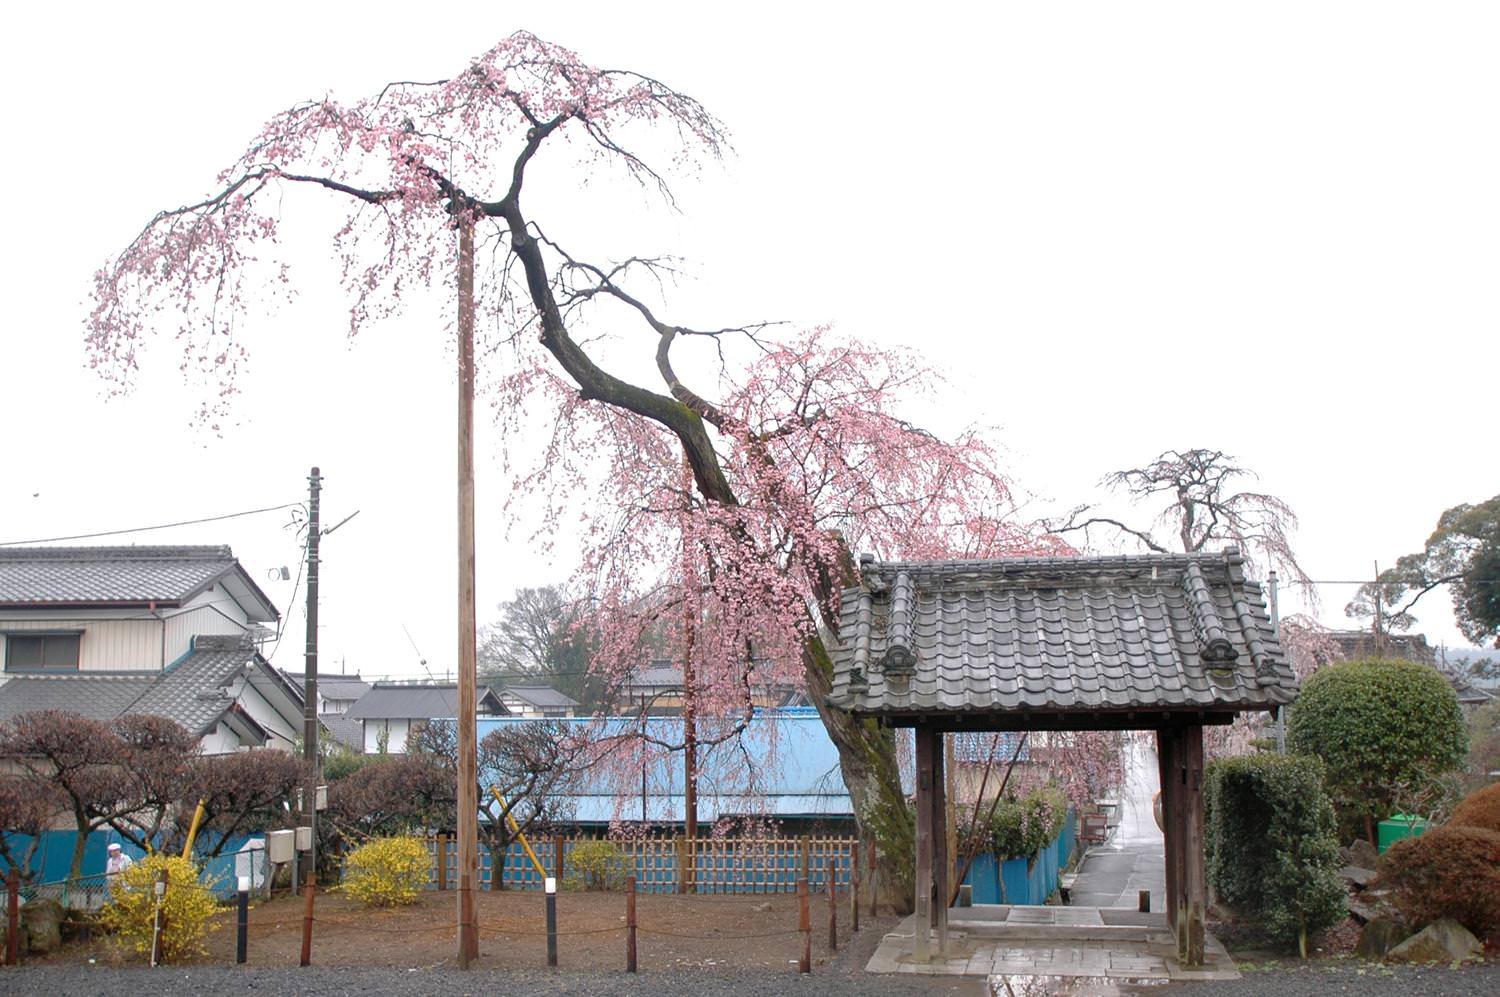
{"x": 1023, "y": 881}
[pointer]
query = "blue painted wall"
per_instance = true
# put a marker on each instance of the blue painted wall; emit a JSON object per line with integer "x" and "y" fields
{"x": 1022, "y": 881}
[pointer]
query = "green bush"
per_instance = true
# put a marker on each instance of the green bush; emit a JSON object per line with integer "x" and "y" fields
{"x": 1449, "y": 871}
{"x": 1390, "y": 734}
{"x": 1023, "y": 826}
{"x": 387, "y": 872}
{"x": 596, "y": 865}
{"x": 1272, "y": 849}
{"x": 188, "y": 905}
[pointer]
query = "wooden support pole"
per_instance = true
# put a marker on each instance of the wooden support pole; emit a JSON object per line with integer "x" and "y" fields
{"x": 942, "y": 861}
{"x": 242, "y": 922}
{"x": 833, "y": 905}
{"x": 804, "y": 925}
{"x": 12, "y": 918}
{"x": 630, "y": 954}
{"x": 1195, "y": 879}
{"x": 926, "y": 745}
{"x": 1164, "y": 747}
{"x": 551, "y": 888}
{"x": 442, "y": 862}
{"x": 307, "y": 922}
{"x": 874, "y": 883}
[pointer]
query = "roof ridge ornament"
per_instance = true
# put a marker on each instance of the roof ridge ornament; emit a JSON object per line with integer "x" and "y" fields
{"x": 899, "y": 659}
{"x": 1216, "y": 651}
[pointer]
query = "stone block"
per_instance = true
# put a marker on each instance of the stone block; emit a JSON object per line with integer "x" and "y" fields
{"x": 1444, "y": 940}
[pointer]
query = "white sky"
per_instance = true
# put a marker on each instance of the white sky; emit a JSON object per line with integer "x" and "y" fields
{"x": 1119, "y": 228}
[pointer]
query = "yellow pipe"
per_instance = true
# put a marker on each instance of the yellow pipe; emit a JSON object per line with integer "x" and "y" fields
{"x": 187, "y": 849}
{"x": 516, "y": 830}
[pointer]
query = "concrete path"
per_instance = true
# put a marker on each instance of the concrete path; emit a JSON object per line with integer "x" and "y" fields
{"x": 1134, "y": 859}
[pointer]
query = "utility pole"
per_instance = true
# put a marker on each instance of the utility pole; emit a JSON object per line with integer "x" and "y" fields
{"x": 468, "y": 753}
{"x": 310, "y": 679}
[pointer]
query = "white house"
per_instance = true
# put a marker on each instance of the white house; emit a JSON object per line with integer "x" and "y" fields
{"x": 172, "y": 631}
{"x": 390, "y": 711}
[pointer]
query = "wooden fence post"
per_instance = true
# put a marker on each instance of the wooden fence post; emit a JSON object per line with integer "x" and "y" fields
{"x": 442, "y": 862}
{"x": 12, "y": 917}
{"x": 874, "y": 890}
{"x": 682, "y": 871}
{"x": 242, "y": 921}
{"x": 833, "y": 904}
{"x": 307, "y": 920}
{"x": 557, "y": 857}
{"x": 550, "y": 886}
{"x": 806, "y": 857}
{"x": 804, "y": 925}
{"x": 630, "y": 924}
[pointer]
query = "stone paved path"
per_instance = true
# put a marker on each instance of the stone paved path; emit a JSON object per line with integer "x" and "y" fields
{"x": 1113, "y": 874}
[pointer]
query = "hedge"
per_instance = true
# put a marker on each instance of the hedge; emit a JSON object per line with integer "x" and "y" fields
{"x": 1272, "y": 850}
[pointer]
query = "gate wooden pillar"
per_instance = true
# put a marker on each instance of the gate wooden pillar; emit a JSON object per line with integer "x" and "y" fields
{"x": 932, "y": 847}
{"x": 1195, "y": 879}
{"x": 1180, "y": 754}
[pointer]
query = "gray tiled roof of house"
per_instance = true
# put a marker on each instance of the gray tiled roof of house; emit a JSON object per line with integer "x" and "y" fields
{"x": 344, "y": 729}
{"x": 398, "y": 701}
{"x": 195, "y": 692}
{"x": 34, "y": 575}
{"x": 540, "y": 696}
{"x": 98, "y": 697}
{"x": 103, "y": 576}
{"x": 332, "y": 685}
{"x": 1082, "y": 635}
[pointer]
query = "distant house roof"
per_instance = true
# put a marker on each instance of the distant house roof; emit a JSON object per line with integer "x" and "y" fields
{"x": 344, "y": 729}
{"x": 198, "y": 692}
{"x": 402, "y": 701}
{"x": 105, "y": 577}
{"x": 785, "y": 765}
{"x": 332, "y": 685}
{"x": 1065, "y": 642}
{"x": 659, "y": 674}
{"x": 1408, "y": 647}
{"x": 543, "y": 697}
{"x": 1365, "y": 644}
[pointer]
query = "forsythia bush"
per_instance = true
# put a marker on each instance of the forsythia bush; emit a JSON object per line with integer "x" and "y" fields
{"x": 387, "y": 872}
{"x": 597, "y": 865}
{"x": 1448, "y": 871}
{"x": 187, "y": 907}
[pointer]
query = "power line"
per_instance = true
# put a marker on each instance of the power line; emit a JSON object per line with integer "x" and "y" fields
{"x": 146, "y": 529}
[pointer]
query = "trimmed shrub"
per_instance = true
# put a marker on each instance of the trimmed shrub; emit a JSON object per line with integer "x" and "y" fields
{"x": 1390, "y": 734}
{"x": 1023, "y": 827}
{"x": 188, "y": 905}
{"x": 1480, "y": 808}
{"x": 1272, "y": 845}
{"x": 387, "y": 872}
{"x": 1450, "y": 871}
{"x": 596, "y": 865}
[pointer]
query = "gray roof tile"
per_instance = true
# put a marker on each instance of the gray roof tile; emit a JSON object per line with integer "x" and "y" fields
{"x": 1063, "y": 635}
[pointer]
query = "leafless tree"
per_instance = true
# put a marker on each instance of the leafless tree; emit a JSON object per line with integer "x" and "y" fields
{"x": 1198, "y": 508}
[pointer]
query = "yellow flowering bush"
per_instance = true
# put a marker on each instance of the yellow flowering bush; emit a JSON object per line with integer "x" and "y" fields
{"x": 188, "y": 907}
{"x": 387, "y": 872}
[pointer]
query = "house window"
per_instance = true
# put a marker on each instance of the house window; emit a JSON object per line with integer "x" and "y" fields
{"x": 42, "y": 652}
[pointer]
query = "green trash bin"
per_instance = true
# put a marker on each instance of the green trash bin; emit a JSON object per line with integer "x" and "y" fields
{"x": 1397, "y": 827}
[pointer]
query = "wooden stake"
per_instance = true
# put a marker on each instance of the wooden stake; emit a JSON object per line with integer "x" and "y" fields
{"x": 630, "y": 957}
{"x": 854, "y": 884}
{"x": 833, "y": 905}
{"x": 804, "y": 924}
{"x": 307, "y": 921}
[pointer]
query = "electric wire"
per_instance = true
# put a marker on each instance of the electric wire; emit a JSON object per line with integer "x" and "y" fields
{"x": 147, "y": 529}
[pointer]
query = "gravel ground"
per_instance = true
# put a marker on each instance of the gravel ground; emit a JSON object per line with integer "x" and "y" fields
{"x": 835, "y": 980}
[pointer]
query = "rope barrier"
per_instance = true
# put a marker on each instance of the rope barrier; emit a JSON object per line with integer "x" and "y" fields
{"x": 725, "y": 938}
